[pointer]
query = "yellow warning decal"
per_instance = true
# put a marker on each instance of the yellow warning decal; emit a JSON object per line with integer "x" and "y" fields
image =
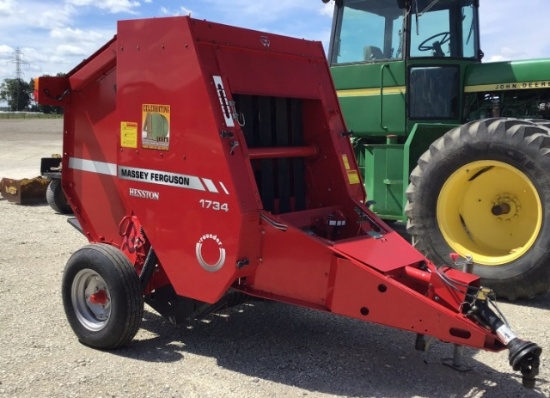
{"x": 346, "y": 161}
{"x": 155, "y": 128}
{"x": 128, "y": 134}
{"x": 353, "y": 177}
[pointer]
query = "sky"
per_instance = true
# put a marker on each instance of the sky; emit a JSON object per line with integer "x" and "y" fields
{"x": 53, "y": 36}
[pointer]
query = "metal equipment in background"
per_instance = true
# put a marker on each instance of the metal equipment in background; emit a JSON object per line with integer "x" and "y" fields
{"x": 37, "y": 190}
{"x": 25, "y": 191}
{"x": 455, "y": 147}
{"x": 50, "y": 168}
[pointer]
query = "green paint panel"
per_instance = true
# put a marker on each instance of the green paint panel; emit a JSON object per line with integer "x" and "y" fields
{"x": 383, "y": 167}
{"x": 363, "y": 115}
{"x": 367, "y": 75}
{"x": 507, "y": 72}
{"x": 367, "y": 113}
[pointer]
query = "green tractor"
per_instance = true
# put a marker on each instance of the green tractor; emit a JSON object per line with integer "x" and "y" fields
{"x": 457, "y": 148}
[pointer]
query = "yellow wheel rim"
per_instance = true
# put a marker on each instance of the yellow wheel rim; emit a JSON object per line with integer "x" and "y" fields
{"x": 489, "y": 210}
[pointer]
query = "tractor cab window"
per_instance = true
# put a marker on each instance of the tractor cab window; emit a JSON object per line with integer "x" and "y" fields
{"x": 444, "y": 29}
{"x": 367, "y": 31}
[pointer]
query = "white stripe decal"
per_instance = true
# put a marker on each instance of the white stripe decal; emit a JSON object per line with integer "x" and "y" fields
{"x": 146, "y": 175}
{"x": 210, "y": 185}
{"x": 224, "y": 188}
{"x": 92, "y": 166}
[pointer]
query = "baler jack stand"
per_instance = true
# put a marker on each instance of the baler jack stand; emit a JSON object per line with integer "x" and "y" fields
{"x": 228, "y": 155}
{"x": 456, "y": 362}
{"x": 420, "y": 343}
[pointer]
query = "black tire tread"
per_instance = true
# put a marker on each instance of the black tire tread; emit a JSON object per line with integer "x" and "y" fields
{"x": 134, "y": 295}
{"x": 56, "y": 197}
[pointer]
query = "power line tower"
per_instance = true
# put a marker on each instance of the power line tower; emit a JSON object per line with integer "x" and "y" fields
{"x": 18, "y": 60}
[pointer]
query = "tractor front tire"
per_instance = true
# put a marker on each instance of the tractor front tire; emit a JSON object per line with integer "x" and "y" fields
{"x": 483, "y": 189}
{"x": 56, "y": 197}
{"x": 102, "y": 297}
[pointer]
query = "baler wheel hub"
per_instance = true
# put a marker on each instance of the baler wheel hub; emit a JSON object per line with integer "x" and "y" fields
{"x": 91, "y": 299}
{"x": 100, "y": 297}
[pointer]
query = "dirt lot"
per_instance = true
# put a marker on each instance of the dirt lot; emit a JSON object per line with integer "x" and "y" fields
{"x": 260, "y": 350}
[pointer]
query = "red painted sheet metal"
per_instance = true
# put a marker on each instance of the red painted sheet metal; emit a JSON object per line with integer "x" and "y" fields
{"x": 364, "y": 294}
{"x": 196, "y": 213}
{"x": 95, "y": 67}
{"x": 265, "y": 43}
{"x": 385, "y": 254}
{"x": 89, "y": 159}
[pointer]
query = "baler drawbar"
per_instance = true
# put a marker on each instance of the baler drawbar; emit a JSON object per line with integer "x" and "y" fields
{"x": 208, "y": 165}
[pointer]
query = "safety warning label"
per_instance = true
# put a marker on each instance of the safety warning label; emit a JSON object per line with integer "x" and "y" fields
{"x": 128, "y": 135}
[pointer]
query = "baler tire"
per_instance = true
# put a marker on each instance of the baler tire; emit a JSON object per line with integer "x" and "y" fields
{"x": 461, "y": 184}
{"x": 56, "y": 197}
{"x": 102, "y": 269}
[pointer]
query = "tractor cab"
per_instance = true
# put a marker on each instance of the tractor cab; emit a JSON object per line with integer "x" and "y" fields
{"x": 403, "y": 60}
{"x": 388, "y": 30}
{"x": 399, "y": 67}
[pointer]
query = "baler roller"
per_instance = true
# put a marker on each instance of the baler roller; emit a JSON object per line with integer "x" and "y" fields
{"x": 283, "y": 152}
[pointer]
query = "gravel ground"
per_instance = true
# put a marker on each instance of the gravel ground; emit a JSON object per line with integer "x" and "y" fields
{"x": 260, "y": 350}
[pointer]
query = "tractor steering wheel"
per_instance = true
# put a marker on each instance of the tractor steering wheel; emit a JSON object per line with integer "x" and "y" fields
{"x": 446, "y": 36}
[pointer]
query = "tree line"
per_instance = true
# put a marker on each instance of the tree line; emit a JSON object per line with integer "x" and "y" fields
{"x": 19, "y": 96}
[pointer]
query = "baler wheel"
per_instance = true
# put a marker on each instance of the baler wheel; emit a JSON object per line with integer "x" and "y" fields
{"x": 483, "y": 189}
{"x": 56, "y": 197}
{"x": 102, "y": 296}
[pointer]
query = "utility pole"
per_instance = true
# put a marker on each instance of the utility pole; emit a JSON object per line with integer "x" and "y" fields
{"x": 18, "y": 75}
{"x": 18, "y": 61}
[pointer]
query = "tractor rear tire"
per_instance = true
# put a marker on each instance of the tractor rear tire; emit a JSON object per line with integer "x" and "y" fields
{"x": 541, "y": 122}
{"x": 56, "y": 197}
{"x": 483, "y": 189}
{"x": 102, "y": 297}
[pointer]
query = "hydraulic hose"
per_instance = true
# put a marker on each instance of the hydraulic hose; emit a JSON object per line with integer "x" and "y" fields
{"x": 148, "y": 268}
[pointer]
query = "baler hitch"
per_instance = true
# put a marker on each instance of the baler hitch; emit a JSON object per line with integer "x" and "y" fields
{"x": 523, "y": 355}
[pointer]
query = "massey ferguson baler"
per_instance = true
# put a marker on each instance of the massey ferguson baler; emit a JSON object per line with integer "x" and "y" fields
{"x": 207, "y": 165}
